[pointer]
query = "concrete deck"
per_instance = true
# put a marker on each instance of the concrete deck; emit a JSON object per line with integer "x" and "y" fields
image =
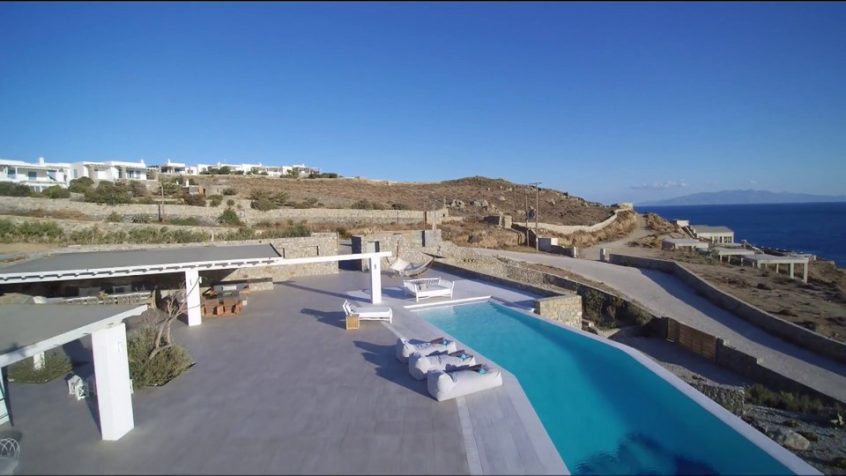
{"x": 666, "y": 295}
{"x": 283, "y": 388}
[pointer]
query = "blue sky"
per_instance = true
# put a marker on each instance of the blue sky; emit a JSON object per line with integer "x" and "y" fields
{"x": 609, "y": 101}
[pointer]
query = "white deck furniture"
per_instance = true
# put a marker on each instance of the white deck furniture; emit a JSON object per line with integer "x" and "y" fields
{"x": 419, "y": 365}
{"x": 407, "y": 270}
{"x": 406, "y": 347}
{"x": 368, "y": 312}
{"x": 448, "y": 385}
{"x": 10, "y": 455}
{"x": 423, "y": 288}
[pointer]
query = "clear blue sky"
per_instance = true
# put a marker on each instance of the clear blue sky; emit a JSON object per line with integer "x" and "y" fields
{"x": 608, "y": 101}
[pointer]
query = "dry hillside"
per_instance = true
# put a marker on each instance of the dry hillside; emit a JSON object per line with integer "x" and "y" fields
{"x": 470, "y": 197}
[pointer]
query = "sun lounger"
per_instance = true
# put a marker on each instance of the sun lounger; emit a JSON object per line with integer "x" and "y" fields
{"x": 447, "y": 385}
{"x": 428, "y": 287}
{"x": 407, "y": 347}
{"x": 369, "y": 312}
{"x": 419, "y": 365}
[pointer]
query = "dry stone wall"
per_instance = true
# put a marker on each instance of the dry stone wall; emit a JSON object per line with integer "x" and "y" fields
{"x": 209, "y": 214}
{"x": 566, "y": 308}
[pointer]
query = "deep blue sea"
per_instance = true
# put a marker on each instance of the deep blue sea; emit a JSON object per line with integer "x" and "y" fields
{"x": 817, "y": 228}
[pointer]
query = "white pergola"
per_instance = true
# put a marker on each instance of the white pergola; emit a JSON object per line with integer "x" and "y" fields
{"x": 191, "y": 269}
{"x": 111, "y": 364}
{"x": 30, "y": 330}
{"x": 764, "y": 261}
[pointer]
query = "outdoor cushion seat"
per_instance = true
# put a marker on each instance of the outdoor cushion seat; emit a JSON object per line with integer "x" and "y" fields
{"x": 371, "y": 312}
{"x": 419, "y": 365}
{"x": 447, "y": 385}
{"x": 407, "y": 347}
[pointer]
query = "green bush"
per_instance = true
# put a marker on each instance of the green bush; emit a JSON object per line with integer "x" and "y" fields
{"x": 56, "y": 364}
{"x": 165, "y": 366}
{"x": 194, "y": 200}
{"x": 138, "y": 189}
{"x": 229, "y": 217}
{"x": 80, "y": 185}
{"x": 56, "y": 192}
{"x": 215, "y": 200}
{"x": 265, "y": 201}
{"x": 230, "y": 191}
{"x": 760, "y": 395}
{"x": 30, "y": 232}
{"x": 142, "y": 218}
{"x": 189, "y": 221}
{"x": 114, "y": 217}
{"x": 9, "y": 189}
{"x": 109, "y": 193}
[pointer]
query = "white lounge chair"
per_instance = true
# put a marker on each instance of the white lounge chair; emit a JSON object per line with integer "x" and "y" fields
{"x": 423, "y": 288}
{"x": 407, "y": 347}
{"x": 10, "y": 455}
{"x": 369, "y": 312}
{"x": 407, "y": 270}
{"x": 446, "y": 385}
{"x": 419, "y": 365}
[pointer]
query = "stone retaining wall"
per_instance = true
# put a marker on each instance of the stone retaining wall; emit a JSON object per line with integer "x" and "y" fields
{"x": 408, "y": 245}
{"x": 570, "y": 229}
{"x": 788, "y": 331}
{"x": 567, "y": 309}
{"x": 210, "y": 214}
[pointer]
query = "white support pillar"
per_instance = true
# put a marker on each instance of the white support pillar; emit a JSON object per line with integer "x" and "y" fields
{"x": 192, "y": 297}
{"x": 805, "y": 273}
{"x": 111, "y": 370}
{"x": 38, "y": 361}
{"x": 375, "y": 280}
{"x": 4, "y": 399}
{"x": 790, "y": 267}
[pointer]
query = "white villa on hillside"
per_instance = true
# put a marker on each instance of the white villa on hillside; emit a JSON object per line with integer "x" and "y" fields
{"x": 38, "y": 176}
{"x": 111, "y": 170}
{"x": 301, "y": 170}
{"x": 173, "y": 168}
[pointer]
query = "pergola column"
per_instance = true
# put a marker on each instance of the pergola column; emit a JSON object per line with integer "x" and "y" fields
{"x": 790, "y": 268}
{"x": 375, "y": 280}
{"x": 111, "y": 370}
{"x": 192, "y": 297}
{"x": 805, "y": 272}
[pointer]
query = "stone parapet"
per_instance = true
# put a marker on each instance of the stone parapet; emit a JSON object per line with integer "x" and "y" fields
{"x": 566, "y": 308}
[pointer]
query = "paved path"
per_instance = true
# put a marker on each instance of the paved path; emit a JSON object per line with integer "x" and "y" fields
{"x": 665, "y": 295}
{"x": 639, "y": 231}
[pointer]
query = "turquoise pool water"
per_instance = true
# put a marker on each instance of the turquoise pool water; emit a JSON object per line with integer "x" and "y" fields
{"x": 605, "y": 412}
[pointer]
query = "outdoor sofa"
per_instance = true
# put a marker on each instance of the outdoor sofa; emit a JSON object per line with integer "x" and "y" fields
{"x": 368, "y": 312}
{"x": 406, "y": 347}
{"x": 428, "y": 287}
{"x": 444, "y": 385}
{"x": 419, "y": 365}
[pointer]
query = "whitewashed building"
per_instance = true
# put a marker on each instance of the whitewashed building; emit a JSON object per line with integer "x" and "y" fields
{"x": 111, "y": 170}
{"x": 173, "y": 168}
{"x": 38, "y": 176}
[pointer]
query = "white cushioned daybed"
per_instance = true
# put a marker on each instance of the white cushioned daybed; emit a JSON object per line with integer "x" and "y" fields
{"x": 447, "y": 385}
{"x": 428, "y": 287}
{"x": 406, "y": 347}
{"x": 419, "y": 365}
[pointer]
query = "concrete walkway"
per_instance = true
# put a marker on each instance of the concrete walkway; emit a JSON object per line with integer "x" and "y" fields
{"x": 640, "y": 231}
{"x": 665, "y": 295}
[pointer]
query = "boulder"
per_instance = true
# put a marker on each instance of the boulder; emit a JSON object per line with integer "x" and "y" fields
{"x": 456, "y": 203}
{"x": 792, "y": 440}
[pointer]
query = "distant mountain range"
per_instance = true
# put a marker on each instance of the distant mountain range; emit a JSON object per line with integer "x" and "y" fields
{"x": 741, "y": 197}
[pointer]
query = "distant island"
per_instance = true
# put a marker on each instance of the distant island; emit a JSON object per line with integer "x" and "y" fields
{"x": 743, "y": 197}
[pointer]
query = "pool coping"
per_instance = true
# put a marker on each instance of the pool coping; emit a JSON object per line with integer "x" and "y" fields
{"x": 782, "y": 455}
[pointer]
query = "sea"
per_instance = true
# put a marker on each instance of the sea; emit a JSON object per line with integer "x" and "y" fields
{"x": 816, "y": 228}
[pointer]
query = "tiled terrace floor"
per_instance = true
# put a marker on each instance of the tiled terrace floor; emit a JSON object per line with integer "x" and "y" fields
{"x": 283, "y": 388}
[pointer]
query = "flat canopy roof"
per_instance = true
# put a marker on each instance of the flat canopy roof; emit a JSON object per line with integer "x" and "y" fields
{"x": 761, "y": 258}
{"x": 29, "y": 329}
{"x": 711, "y": 229}
{"x": 686, "y": 241}
{"x": 117, "y": 259}
{"x": 734, "y": 251}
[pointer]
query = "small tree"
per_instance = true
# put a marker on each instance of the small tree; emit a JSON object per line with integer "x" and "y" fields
{"x": 80, "y": 185}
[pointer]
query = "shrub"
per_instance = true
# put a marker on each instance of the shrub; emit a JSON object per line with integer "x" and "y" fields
{"x": 761, "y": 395}
{"x": 56, "y": 192}
{"x": 164, "y": 367}
{"x": 114, "y": 217}
{"x": 142, "y": 218}
{"x": 138, "y": 189}
{"x": 9, "y": 189}
{"x": 194, "y": 200}
{"x": 189, "y": 221}
{"x": 56, "y": 364}
{"x": 80, "y": 185}
{"x": 265, "y": 201}
{"x": 30, "y": 232}
{"x": 229, "y": 217}
{"x": 230, "y": 203}
{"x": 215, "y": 200}
{"x": 400, "y": 206}
{"x": 108, "y": 193}
{"x": 230, "y": 191}
{"x": 343, "y": 232}
{"x": 367, "y": 205}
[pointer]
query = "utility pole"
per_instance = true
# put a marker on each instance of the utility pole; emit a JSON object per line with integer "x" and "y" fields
{"x": 527, "y": 217}
{"x": 537, "y": 212}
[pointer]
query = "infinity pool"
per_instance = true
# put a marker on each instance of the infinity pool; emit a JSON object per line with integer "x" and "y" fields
{"x": 605, "y": 411}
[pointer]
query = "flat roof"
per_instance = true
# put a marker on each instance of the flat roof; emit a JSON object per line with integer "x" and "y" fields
{"x": 762, "y": 258}
{"x": 685, "y": 241}
{"x": 711, "y": 229}
{"x": 722, "y": 251}
{"x": 32, "y": 328}
{"x": 115, "y": 259}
